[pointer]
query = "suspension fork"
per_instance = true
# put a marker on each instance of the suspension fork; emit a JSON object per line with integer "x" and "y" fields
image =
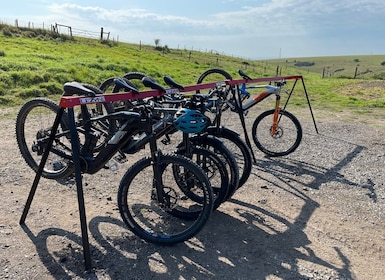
{"x": 274, "y": 127}
{"x": 157, "y": 182}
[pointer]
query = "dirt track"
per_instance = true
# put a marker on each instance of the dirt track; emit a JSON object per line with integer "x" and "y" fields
{"x": 316, "y": 214}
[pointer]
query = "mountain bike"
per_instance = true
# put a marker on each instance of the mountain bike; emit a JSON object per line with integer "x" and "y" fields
{"x": 176, "y": 201}
{"x": 33, "y": 127}
{"x": 275, "y": 132}
{"x": 175, "y": 97}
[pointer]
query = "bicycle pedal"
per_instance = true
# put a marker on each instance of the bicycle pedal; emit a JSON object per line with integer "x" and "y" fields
{"x": 121, "y": 158}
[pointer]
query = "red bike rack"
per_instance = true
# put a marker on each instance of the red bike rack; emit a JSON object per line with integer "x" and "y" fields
{"x": 69, "y": 102}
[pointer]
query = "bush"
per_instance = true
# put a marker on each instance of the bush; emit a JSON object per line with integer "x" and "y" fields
{"x": 2, "y": 53}
{"x": 52, "y": 87}
{"x": 33, "y": 92}
{"x": 304, "y": 63}
{"x": 3, "y": 89}
{"x": 7, "y": 32}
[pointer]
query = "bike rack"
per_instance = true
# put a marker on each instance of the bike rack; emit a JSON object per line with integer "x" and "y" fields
{"x": 240, "y": 111}
{"x": 69, "y": 102}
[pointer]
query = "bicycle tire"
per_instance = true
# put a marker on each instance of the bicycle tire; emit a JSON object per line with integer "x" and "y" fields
{"x": 33, "y": 127}
{"x": 222, "y": 93}
{"x": 216, "y": 145}
{"x": 238, "y": 148}
{"x": 105, "y": 128}
{"x": 289, "y": 133}
{"x": 156, "y": 224}
{"x": 213, "y": 75}
{"x": 214, "y": 168}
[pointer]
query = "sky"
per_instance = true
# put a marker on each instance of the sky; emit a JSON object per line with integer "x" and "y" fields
{"x": 252, "y": 29}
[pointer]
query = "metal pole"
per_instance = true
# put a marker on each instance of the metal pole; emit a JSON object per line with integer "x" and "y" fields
{"x": 79, "y": 186}
{"x": 41, "y": 166}
{"x": 308, "y": 102}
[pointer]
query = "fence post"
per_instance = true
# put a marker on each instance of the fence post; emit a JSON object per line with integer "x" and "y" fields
{"x": 101, "y": 34}
{"x": 355, "y": 72}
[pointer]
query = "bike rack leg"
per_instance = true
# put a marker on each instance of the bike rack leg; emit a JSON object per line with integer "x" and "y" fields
{"x": 240, "y": 111}
{"x": 308, "y": 102}
{"x": 76, "y": 160}
{"x": 79, "y": 186}
{"x": 41, "y": 166}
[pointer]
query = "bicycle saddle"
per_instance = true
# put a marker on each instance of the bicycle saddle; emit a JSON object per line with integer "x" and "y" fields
{"x": 243, "y": 75}
{"x": 170, "y": 82}
{"x": 151, "y": 83}
{"x": 72, "y": 88}
{"x": 123, "y": 83}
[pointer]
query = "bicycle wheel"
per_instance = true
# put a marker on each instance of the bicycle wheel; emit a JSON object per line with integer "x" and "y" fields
{"x": 285, "y": 141}
{"x": 162, "y": 223}
{"x": 217, "y": 146}
{"x": 33, "y": 128}
{"x": 213, "y": 75}
{"x": 215, "y": 170}
{"x": 103, "y": 128}
{"x": 238, "y": 148}
{"x": 221, "y": 93}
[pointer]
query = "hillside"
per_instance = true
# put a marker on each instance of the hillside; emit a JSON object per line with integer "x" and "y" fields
{"x": 359, "y": 66}
{"x": 36, "y": 62}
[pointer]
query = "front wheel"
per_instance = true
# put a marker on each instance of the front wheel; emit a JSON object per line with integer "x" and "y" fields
{"x": 165, "y": 223}
{"x": 285, "y": 139}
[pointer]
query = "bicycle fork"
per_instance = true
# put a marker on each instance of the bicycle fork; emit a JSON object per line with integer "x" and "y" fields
{"x": 158, "y": 193}
{"x": 274, "y": 126}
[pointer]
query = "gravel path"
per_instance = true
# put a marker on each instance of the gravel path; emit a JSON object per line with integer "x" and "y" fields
{"x": 316, "y": 214}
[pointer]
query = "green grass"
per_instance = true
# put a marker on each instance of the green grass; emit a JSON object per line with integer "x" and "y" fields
{"x": 38, "y": 63}
{"x": 359, "y": 66}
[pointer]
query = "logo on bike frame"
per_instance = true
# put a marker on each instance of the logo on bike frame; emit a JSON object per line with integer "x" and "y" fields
{"x": 96, "y": 99}
{"x": 172, "y": 91}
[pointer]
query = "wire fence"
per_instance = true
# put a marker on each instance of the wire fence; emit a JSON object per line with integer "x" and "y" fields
{"x": 58, "y": 28}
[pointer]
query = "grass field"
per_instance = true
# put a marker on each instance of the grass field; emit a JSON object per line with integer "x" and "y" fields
{"x": 359, "y": 66}
{"x": 37, "y": 63}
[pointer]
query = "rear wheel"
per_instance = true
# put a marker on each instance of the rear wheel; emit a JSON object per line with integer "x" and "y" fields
{"x": 214, "y": 168}
{"x": 33, "y": 128}
{"x": 217, "y": 146}
{"x": 238, "y": 148}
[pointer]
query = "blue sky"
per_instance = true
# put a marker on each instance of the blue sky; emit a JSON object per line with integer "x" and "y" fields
{"x": 256, "y": 29}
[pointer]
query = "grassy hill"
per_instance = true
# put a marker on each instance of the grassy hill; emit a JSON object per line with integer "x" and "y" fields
{"x": 37, "y": 62}
{"x": 358, "y": 66}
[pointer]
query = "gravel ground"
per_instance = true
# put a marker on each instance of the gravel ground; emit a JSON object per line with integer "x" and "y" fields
{"x": 318, "y": 213}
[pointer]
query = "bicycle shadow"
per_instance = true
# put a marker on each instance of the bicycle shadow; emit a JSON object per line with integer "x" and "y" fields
{"x": 123, "y": 256}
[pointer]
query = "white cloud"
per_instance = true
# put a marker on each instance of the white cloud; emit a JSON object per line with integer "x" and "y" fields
{"x": 241, "y": 26}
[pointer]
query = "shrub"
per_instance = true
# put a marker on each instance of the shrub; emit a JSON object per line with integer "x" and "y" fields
{"x": 7, "y": 32}
{"x": 52, "y": 87}
{"x": 2, "y": 53}
{"x": 304, "y": 63}
{"x": 33, "y": 92}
